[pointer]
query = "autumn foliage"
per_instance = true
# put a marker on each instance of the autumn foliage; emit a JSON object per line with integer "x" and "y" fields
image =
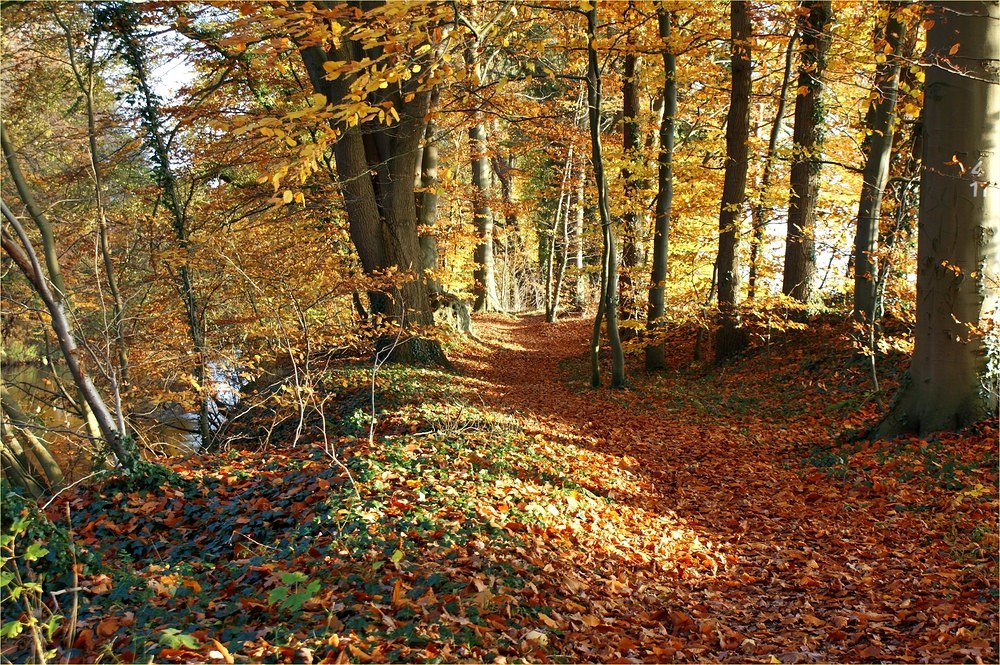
{"x": 229, "y": 218}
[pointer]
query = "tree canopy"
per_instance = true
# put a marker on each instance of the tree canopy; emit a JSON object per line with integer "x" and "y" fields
{"x": 307, "y": 229}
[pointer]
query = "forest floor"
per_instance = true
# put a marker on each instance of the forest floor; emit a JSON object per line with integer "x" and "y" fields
{"x": 508, "y": 512}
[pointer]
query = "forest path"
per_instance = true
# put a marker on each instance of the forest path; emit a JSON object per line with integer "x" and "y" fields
{"x": 786, "y": 560}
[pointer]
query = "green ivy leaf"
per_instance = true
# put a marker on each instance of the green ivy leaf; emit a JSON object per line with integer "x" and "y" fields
{"x": 277, "y": 595}
{"x": 6, "y": 577}
{"x": 292, "y": 578}
{"x": 35, "y": 552}
{"x": 11, "y": 629}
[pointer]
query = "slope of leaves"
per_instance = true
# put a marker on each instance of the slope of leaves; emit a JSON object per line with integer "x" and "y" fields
{"x": 510, "y": 513}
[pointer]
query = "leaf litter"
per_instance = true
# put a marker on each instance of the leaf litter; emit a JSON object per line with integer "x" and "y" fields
{"x": 510, "y": 514}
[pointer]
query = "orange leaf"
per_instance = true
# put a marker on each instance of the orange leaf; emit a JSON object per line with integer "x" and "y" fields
{"x": 108, "y": 627}
{"x": 398, "y": 595}
{"x": 223, "y": 652}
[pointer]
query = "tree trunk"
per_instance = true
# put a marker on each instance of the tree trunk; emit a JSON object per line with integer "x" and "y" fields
{"x": 632, "y": 219}
{"x": 800, "y": 243}
{"x": 558, "y": 250}
{"x": 376, "y": 165}
{"x": 664, "y": 197}
{"x": 953, "y": 374}
{"x": 485, "y": 287}
{"x": 881, "y": 125}
{"x": 85, "y": 83}
{"x": 731, "y": 338}
{"x": 27, "y": 261}
{"x": 427, "y": 199}
{"x": 124, "y": 22}
{"x": 608, "y": 307}
{"x": 519, "y": 278}
{"x": 757, "y": 210}
{"x": 39, "y": 449}
{"x": 579, "y": 216}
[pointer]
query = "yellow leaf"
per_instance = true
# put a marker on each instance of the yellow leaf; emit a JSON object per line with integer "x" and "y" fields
{"x": 287, "y": 196}
{"x": 537, "y": 636}
{"x": 300, "y": 198}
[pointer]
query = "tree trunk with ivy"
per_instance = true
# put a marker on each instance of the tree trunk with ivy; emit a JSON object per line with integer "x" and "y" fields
{"x": 882, "y": 126}
{"x": 807, "y": 141}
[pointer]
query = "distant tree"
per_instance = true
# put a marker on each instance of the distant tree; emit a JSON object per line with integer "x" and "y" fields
{"x": 800, "y": 245}
{"x": 664, "y": 194}
{"x": 607, "y": 307}
{"x": 122, "y": 21}
{"x": 730, "y": 338}
{"x": 954, "y": 372}
{"x": 881, "y": 126}
{"x": 633, "y": 218}
{"x": 757, "y": 210}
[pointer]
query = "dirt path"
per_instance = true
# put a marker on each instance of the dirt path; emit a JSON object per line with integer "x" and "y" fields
{"x": 794, "y": 564}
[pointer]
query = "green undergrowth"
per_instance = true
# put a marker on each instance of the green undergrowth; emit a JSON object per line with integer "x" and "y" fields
{"x": 341, "y": 545}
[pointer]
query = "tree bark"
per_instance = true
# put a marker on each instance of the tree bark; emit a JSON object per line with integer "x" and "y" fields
{"x": 608, "y": 307}
{"x": 757, "y": 210}
{"x": 655, "y": 359}
{"x": 953, "y": 374}
{"x": 632, "y": 219}
{"x": 376, "y": 164}
{"x": 579, "y": 216}
{"x": 800, "y": 243}
{"x": 25, "y": 256}
{"x": 484, "y": 275}
{"x": 43, "y": 457}
{"x": 731, "y": 338}
{"x": 49, "y": 251}
{"x": 427, "y": 199}
{"x": 881, "y": 125}
{"x": 124, "y": 20}
{"x": 558, "y": 248}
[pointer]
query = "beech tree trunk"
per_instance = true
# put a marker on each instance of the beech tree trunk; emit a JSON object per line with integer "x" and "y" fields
{"x": 882, "y": 127}
{"x": 427, "y": 199}
{"x": 376, "y": 163}
{"x": 484, "y": 289}
{"x": 953, "y": 375}
{"x": 800, "y": 243}
{"x": 579, "y": 216}
{"x": 632, "y": 219}
{"x": 558, "y": 245}
{"x": 607, "y": 308}
{"x": 664, "y": 197}
{"x": 26, "y": 258}
{"x": 730, "y": 338}
{"x": 757, "y": 210}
